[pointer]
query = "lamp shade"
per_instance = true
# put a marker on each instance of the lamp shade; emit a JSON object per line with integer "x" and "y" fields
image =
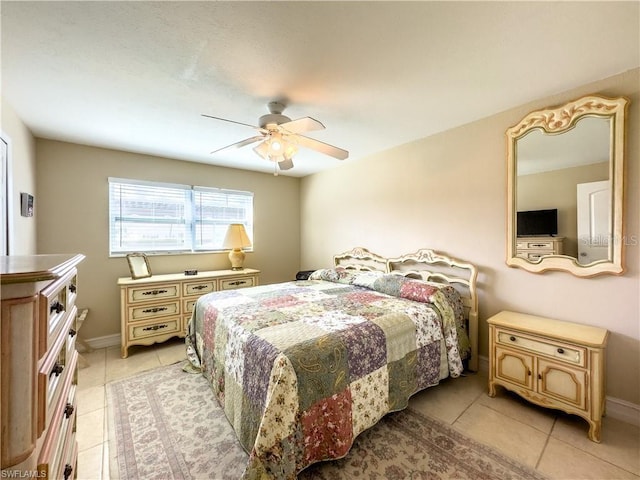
{"x": 236, "y": 237}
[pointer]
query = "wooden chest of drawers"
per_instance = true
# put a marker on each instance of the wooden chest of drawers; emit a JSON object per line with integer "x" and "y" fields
{"x": 157, "y": 308}
{"x": 533, "y": 248}
{"x": 550, "y": 363}
{"x": 38, "y": 372}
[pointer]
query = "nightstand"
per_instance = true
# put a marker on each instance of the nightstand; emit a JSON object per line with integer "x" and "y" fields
{"x": 157, "y": 308}
{"x": 551, "y": 363}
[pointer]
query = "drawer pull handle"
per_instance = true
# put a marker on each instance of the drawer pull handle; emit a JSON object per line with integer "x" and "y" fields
{"x": 68, "y": 470}
{"x": 57, "y": 369}
{"x": 68, "y": 410}
{"x": 200, "y": 287}
{"x": 512, "y": 338}
{"x": 73, "y": 288}
{"x": 238, "y": 282}
{"x": 561, "y": 350}
{"x": 154, "y": 292}
{"x": 56, "y": 307}
{"x": 72, "y": 332}
{"x": 154, "y": 327}
{"x": 155, "y": 310}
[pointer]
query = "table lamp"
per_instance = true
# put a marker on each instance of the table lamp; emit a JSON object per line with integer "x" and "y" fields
{"x": 236, "y": 239}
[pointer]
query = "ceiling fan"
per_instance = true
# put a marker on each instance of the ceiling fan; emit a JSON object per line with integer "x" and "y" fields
{"x": 280, "y": 137}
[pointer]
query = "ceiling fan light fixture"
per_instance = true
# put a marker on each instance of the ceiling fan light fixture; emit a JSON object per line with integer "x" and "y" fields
{"x": 280, "y": 137}
{"x": 276, "y": 144}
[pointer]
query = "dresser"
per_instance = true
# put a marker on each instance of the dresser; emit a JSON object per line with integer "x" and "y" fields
{"x": 532, "y": 248}
{"x": 38, "y": 372}
{"x": 551, "y": 363}
{"x": 157, "y": 308}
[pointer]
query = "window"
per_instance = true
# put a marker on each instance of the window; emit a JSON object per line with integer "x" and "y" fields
{"x": 155, "y": 217}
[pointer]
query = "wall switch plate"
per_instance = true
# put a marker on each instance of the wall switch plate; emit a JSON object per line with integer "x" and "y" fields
{"x": 26, "y": 205}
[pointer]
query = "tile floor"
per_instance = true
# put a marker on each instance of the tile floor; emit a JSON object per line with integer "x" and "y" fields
{"x": 554, "y": 443}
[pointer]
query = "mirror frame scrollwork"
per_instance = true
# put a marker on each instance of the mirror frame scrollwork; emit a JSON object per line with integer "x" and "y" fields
{"x": 559, "y": 120}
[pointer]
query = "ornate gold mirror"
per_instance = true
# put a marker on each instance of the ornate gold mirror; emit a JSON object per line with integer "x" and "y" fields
{"x": 565, "y": 188}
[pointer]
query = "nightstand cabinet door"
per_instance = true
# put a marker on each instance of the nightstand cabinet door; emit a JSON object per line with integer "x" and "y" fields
{"x": 515, "y": 367}
{"x": 563, "y": 383}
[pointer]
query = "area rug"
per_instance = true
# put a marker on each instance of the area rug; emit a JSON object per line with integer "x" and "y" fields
{"x": 166, "y": 424}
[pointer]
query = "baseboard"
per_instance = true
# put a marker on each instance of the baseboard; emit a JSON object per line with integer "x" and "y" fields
{"x": 483, "y": 365}
{"x": 616, "y": 408}
{"x": 104, "y": 342}
{"x": 622, "y": 410}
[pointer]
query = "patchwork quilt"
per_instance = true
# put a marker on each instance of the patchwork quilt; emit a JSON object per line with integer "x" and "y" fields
{"x": 301, "y": 368}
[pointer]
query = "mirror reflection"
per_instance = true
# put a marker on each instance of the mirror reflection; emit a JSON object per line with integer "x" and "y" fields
{"x": 565, "y": 188}
{"x": 563, "y": 192}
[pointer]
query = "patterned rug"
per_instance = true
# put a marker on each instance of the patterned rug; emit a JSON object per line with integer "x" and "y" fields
{"x": 165, "y": 424}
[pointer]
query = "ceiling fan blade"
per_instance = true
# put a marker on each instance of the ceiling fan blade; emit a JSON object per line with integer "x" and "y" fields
{"x": 240, "y": 144}
{"x": 231, "y": 121}
{"x": 322, "y": 147}
{"x": 301, "y": 125}
{"x": 285, "y": 164}
{"x": 262, "y": 150}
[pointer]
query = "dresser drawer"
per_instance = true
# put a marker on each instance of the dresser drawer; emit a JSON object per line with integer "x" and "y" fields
{"x": 241, "y": 282}
{"x": 568, "y": 353}
{"x": 188, "y": 305}
{"x": 541, "y": 245}
{"x": 154, "y": 310}
{"x": 56, "y": 301}
{"x": 149, "y": 293}
{"x": 54, "y": 373}
{"x": 198, "y": 288}
{"x": 59, "y": 442}
{"x": 169, "y": 326}
{"x": 532, "y": 256}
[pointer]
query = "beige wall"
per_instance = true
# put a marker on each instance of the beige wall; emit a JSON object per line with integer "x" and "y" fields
{"x": 22, "y": 178}
{"x": 73, "y": 218}
{"x": 557, "y": 189}
{"x": 447, "y": 192}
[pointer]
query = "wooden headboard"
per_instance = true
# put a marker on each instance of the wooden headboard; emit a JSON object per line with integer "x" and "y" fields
{"x": 430, "y": 266}
{"x": 360, "y": 259}
{"x": 435, "y": 267}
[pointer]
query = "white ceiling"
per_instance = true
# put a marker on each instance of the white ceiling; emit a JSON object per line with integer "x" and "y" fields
{"x": 137, "y": 76}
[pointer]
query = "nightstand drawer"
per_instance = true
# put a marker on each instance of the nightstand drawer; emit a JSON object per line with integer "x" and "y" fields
{"x": 147, "y": 293}
{"x": 233, "y": 283}
{"x": 559, "y": 351}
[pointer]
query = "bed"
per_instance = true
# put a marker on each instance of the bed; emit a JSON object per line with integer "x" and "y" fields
{"x": 301, "y": 368}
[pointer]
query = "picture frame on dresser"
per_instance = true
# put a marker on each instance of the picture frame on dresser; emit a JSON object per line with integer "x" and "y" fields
{"x": 139, "y": 265}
